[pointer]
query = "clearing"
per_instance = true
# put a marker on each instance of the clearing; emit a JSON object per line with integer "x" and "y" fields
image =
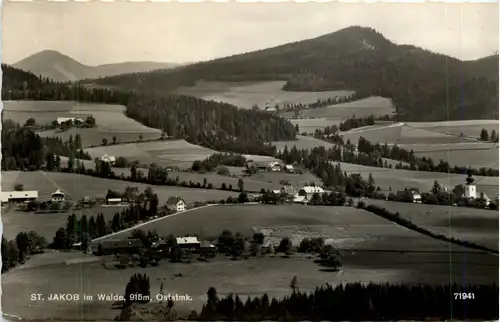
{"x": 111, "y": 120}
{"x": 248, "y": 94}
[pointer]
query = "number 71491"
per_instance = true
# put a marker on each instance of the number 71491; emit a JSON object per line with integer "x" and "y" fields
{"x": 464, "y": 296}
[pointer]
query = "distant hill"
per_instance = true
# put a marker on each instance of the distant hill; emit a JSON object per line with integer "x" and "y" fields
{"x": 423, "y": 85}
{"x": 59, "y": 67}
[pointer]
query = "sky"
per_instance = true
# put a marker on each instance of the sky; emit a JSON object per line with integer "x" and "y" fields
{"x": 99, "y": 33}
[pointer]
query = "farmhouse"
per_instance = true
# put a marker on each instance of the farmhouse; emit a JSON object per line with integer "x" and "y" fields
{"x": 187, "y": 242}
{"x": 18, "y": 196}
{"x": 305, "y": 194}
{"x": 274, "y": 166}
{"x": 289, "y": 168}
{"x": 57, "y": 196}
{"x": 117, "y": 246}
{"x": 107, "y": 158}
{"x": 176, "y": 203}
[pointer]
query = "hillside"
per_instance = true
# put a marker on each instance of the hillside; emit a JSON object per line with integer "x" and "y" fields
{"x": 215, "y": 125}
{"x": 59, "y": 67}
{"x": 422, "y": 84}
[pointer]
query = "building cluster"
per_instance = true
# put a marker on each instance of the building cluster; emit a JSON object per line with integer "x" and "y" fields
{"x": 27, "y": 196}
{"x": 274, "y": 166}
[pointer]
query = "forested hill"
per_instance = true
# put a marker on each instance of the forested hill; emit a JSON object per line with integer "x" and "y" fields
{"x": 219, "y": 126}
{"x": 423, "y": 85}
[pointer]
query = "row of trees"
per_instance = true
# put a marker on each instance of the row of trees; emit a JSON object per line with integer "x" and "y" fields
{"x": 82, "y": 230}
{"x": 297, "y": 107}
{"x": 484, "y": 136}
{"x": 353, "y": 122}
{"x": 17, "y": 251}
{"x": 372, "y": 154}
{"x": 357, "y": 302}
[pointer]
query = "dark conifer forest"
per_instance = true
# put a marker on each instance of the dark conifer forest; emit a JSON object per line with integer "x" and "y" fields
{"x": 423, "y": 85}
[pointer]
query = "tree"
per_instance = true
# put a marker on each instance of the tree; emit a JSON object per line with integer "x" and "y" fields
{"x": 436, "y": 187}
{"x": 293, "y": 284}
{"x": 484, "y": 135}
{"x": 241, "y": 185}
{"x": 114, "y": 140}
{"x": 104, "y": 141}
{"x": 493, "y": 136}
{"x": 30, "y": 122}
{"x": 18, "y": 187}
{"x": 297, "y": 128}
{"x": 285, "y": 245}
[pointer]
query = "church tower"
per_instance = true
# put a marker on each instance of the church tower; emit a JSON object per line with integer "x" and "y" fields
{"x": 470, "y": 186}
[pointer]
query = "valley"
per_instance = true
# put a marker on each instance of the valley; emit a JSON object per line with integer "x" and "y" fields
{"x": 152, "y": 171}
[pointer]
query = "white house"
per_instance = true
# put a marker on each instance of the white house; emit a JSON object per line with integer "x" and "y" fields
{"x": 305, "y": 194}
{"x": 114, "y": 201}
{"x": 107, "y": 158}
{"x": 417, "y": 198}
{"x": 18, "y": 196}
{"x": 176, "y": 203}
{"x": 58, "y": 196}
{"x": 289, "y": 168}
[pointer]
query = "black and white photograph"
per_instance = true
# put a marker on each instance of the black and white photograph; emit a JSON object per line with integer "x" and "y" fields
{"x": 230, "y": 161}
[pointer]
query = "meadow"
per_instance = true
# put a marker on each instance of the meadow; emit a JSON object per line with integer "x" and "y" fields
{"x": 399, "y": 179}
{"x": 111, "y": 120}
{"x": 309, "y": 125}
{"x": 248, "y": 94}
{"x": 479, "y": 226}
{"x": 302, "y": 142}
{"x": 470, "y": 128}
{"x": 375, "y": 105}
{"x": 373, "y": 249}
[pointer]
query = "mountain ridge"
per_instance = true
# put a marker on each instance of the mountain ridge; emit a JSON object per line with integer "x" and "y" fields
{"x": 423, "y": 85}
{"x": 60, "y": 67}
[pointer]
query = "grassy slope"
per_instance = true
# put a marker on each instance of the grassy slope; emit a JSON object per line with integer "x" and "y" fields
{"x": 476, "y": 225}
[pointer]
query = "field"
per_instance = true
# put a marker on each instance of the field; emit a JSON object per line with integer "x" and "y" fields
{"x": 471, "y": 128}
{"x": 302, "y": 142}
{"x": 375, "y": 105}
{"x": 399, "y": 179}
{"x": 375, "y": 250}
{"x": 309, "y": 125}
{"x": 110, "y": 120}
{"x": 78, "y": 186}
{"x": 427, "y": 142}
{"x": 476, "y": 225}
{"x": 248, "y": 94}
